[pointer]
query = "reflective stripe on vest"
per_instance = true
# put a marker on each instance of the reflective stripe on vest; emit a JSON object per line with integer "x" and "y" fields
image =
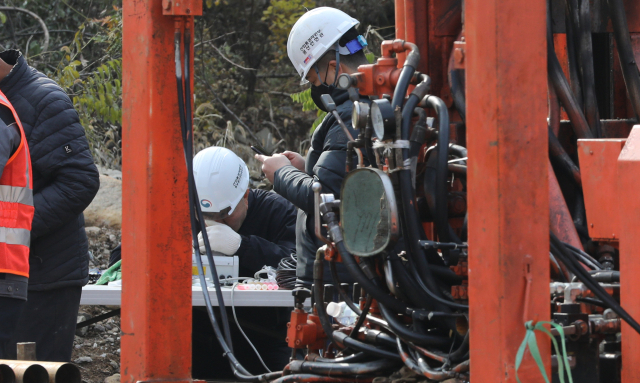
{"x": 12, "y": 236}
{"x": 16, "y": 194}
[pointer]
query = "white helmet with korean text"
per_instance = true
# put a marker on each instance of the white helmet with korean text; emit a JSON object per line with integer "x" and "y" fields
{"x": 316, "y": 32}
{"x": 222, "y": 179}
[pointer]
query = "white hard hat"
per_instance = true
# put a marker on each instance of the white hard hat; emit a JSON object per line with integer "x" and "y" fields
{"x": 221, "y": 179}
{"x": 315, "y": 33}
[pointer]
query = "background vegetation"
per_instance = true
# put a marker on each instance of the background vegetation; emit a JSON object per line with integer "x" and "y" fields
{"x": 246, "y": 89}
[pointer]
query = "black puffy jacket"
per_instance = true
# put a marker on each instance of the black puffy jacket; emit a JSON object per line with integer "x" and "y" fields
{"x": 325, "y": 163}
{"x": 65, "y": 179}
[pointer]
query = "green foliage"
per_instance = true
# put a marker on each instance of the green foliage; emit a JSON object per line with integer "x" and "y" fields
{"x": 281, "y": 15}
{"x": 96, "y": 90}
{"x": 305, "y": 99}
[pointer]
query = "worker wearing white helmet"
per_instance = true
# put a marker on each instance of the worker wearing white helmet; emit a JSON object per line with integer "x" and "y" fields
{"x": 322, "y": 44}
{"x": 259, "y": 227}
{"x": 256, "y": 225}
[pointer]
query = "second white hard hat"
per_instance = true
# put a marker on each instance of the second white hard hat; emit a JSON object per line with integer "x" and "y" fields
{"x": 314, "y": 34}
{"x": 222, "y": 179}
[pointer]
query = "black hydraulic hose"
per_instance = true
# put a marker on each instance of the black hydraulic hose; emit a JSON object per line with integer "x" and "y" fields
{"x": 370, "y": 287}
{"x": 421, "y": 366}
{"x": 420, "y": 283}
{"x": 368, "y": 146}
{"x": 343, "y": 294}
{"x": 362, "y": 317}
{"x": 407, "y": 284}
{"x": 342, "y": 369}
{"x": 562, "y": 89}
{"x": 441, "y": 215}
{"x": 338, "y": 337}
{"x": 403, "y": 332}
{"x": 591, "y": 301}
{"x": 564, "y": 255}
{"x": 409, "y": 68}
{"x": 562, "y": 159}
{"x": 418, "y": 135}
{"x": 625, "y": 52}
{"x": 588, "y": 72}
{"x": 461, "y": 352}
{"x": 572, "y": 22}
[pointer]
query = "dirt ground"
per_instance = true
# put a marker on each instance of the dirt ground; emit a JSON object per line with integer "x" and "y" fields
{"x": 97, "y": 351}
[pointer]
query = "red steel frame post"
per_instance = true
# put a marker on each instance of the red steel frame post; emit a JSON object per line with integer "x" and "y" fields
{"x": 156, "y": 296}
{"x": 629, "y": 205}
{"x": 506, "y": 77}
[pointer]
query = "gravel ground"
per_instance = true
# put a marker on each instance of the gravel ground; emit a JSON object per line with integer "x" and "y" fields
{"x": 97, "y": 351}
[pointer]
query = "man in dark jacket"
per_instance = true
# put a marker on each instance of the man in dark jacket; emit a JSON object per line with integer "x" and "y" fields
{"x": 319, "y": 59}
{"x": 259, "y": 227}
{"x": 65, "y": 180}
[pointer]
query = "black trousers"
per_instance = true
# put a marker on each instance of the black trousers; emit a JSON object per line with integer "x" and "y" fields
{"x": 266, "y": 327}
{"x": 49, "y": 319}
{"x": 10, "y": 311}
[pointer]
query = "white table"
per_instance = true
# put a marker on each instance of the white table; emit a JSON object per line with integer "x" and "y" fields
{"x": 111, "y": 296}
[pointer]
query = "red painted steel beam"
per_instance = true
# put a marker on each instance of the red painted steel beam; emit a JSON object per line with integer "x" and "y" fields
{"x": 156, "y": 295}
{"x": 629, "y": 205}
{"x": 506, "y": 79}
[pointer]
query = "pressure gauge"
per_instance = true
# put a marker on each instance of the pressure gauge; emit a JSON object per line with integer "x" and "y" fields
{"x": 383, "y": 119}
{"x": 359, "y": 115}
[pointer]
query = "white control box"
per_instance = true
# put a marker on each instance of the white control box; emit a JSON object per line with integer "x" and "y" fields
{"x": 226, "y": 266}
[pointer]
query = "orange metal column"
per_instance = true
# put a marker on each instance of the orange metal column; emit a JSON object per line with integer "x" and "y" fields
{"x": 400, "y": 28}
{"x": 629, "y": 203}
{"x": 156, "y": 297}
{"x": 508, "y": 182}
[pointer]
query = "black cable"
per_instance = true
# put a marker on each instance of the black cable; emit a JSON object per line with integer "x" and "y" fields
{"x": 561, "y": 86}
{"x": 196, "y": 214}
{"x": 286, "y": 273}
{"x": 572, "y": 22}
{"x": 588, "y": 76}
{"x": 595, "y": 302}
{"x": 585, "y": 255}
{"x": 569, "y": 260}
{"x": 339, "y": 338}
{"x": 189, "y": 156}
{"x": 625, "y": 52}
{"x": 362, "y": 317}
{"x": 343, "y": 294}
{"x": 403, "y": 332}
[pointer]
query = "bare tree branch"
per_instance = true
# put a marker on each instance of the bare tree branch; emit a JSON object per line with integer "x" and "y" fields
{"x": 45, "y": 45}
{"x": 213, "y": 92}
{"x": 228, "y": 60}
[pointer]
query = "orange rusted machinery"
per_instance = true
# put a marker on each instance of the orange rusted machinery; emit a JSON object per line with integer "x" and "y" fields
{"x": 535, "y": 104}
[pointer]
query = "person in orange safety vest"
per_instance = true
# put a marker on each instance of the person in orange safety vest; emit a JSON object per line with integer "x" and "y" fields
{"x": 16, "y": 215}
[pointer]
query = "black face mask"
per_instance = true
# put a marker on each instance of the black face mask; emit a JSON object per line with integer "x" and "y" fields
{"x": 338, "y": 95}
{"x": 318, "y": 91}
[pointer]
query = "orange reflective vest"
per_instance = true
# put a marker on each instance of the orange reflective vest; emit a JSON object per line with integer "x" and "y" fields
{"x": 16, "y": 206}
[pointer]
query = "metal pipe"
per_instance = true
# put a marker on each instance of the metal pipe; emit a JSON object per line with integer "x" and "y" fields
{"x": 342, "y": 369}
{"x": 6, "y": 374}
{"x": 27, "y": 371}
{"x": 62, "y": 372}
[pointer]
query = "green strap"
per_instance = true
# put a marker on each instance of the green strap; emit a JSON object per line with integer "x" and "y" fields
{"x": 531, "y": 342}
